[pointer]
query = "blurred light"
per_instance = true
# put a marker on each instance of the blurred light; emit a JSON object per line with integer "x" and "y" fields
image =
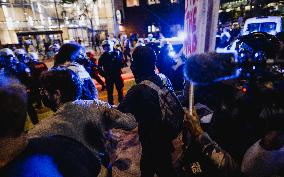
{"x": 235, "y": 75}
{"x": 172, "y": 53}
{"x": 39, "y": 8}
{"x": 121, "y": 28}
{"x": 5, "y": 11}
{"x": 66, "y": 21}
{"x": 9, "y": 23}
{"x": 100, "y": 4}
{"x": 153, "y": 28}
{"x": 244, "y": 89}
{"x": 182, "y": 36}
{"x": 42, "y": 19}
{"x": 238, "y": 72}
{"x": 49, "y": 21}
{"x": 247, "y": 8}
{"x": 96, "y": 11}
{"x": 30, "y": 21}
{"x": 228, "y": 10}
{"x": 149, "y": 29}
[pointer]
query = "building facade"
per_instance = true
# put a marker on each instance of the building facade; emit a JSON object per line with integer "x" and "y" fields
{"x": 52, "y": 19}
{"x": 238, "y": 11}
{"x": 154, "y": 16}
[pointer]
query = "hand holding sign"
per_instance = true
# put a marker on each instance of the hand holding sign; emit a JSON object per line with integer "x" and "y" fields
{"x": 192, "y": 123}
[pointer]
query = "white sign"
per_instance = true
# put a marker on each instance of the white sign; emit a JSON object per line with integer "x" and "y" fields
{"x": 201, "y": 18}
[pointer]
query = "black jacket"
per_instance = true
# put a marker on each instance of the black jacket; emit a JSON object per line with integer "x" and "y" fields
{"x": 111, "y": 63}
{"x": 143, "y": 103}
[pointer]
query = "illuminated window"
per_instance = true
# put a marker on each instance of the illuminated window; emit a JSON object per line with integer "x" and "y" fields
{"x": 174, "y": 1}
{"x": 132, "y": 3}
{"x": 151, "y": 2}
{"x": 153, "y": 28}
{"x": 149, "y": 29}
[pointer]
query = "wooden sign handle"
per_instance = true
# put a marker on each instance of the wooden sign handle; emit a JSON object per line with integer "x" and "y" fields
{"x": 190, "y": 96}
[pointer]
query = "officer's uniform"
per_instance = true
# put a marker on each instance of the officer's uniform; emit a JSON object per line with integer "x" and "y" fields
{"x": 111, "y": 64}
{"x": 36, "y": 68}
{"x": 18, "y": 69}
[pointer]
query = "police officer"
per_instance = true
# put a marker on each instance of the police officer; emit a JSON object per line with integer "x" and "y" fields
{"x": 91, "y": 67}
{"x": 36, "y": 68}
{"x": 21, "y": 55}
{"x": 111, "y": 63}
{"x": 7, "y": 58}
{"x": 13, "y": 67}
{"x": 95, "y": 69}
{"x": 52, "y": 50}
{"x": 126, "y": 46}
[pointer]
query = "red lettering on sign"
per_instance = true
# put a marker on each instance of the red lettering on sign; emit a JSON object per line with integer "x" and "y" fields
{"x": 190, "y": 16}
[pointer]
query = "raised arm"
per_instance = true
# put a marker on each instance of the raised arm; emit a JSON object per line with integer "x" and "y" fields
{"x": 113, "y": 118}
{"x": 117, "y": 119}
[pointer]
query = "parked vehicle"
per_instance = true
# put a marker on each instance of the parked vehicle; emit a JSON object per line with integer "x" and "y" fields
{"x": 270, "y": 24}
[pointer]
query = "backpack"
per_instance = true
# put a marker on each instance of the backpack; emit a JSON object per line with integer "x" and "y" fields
{"x": 171, "y": 109}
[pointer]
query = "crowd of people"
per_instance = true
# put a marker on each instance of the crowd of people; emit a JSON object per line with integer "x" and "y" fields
{"x": 77, "y": 139}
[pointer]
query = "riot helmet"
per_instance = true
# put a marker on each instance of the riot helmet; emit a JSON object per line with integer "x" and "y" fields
{"x": 21, "y": 54}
